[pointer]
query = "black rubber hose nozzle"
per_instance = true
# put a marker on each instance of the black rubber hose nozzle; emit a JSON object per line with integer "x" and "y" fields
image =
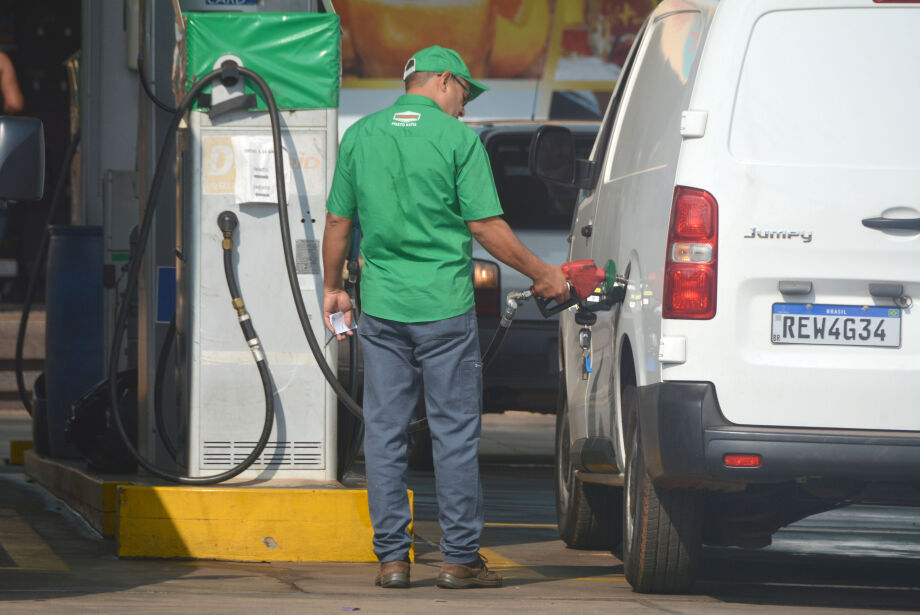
{"x": 227, "y": 221}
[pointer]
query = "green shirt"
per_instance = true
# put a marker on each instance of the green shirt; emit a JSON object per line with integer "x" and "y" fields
{"x": 414, "y": 176}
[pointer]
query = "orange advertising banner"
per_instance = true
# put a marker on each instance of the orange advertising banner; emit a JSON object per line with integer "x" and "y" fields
{"x": 554, "y": 41}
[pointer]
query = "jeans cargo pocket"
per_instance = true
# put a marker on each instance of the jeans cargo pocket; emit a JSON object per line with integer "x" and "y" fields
{"x": 471, "y": 387}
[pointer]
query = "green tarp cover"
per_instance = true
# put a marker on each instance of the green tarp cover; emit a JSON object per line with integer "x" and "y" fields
{"x": 297, "y": 54}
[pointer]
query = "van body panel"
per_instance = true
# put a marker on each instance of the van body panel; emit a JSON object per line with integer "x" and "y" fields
{"x": 634, "y": 193}
{"x": 791, "y": 209}
{"x": 572, "y": 355}
{"x": 589, "y": 391}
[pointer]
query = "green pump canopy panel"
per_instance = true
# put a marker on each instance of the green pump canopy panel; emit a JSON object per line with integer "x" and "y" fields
{"x": 298, "y": 54}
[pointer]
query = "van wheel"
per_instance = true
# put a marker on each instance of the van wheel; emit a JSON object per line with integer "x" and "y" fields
{"x": 662, "y": 528}
{"x": 588, "y": 515}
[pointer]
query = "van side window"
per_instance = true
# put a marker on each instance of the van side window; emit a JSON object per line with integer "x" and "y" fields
{"x": 601, "y": 144}
{"x": 647, "y": 129}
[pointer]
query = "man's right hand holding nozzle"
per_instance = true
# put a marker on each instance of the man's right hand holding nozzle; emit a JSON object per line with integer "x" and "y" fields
{"x": 551, "y": 283}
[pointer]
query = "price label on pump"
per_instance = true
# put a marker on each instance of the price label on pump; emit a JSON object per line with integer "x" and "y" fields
{"x": 255, "y": 170}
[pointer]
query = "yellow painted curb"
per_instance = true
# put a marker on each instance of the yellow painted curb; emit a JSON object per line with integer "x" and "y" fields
{"x": 17, "y": 450}
{"x": 245, "y": 524}
{"x": 91, "y": 496}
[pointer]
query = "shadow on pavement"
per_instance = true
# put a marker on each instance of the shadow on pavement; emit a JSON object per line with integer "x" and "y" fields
{"x": 830, "y": 581}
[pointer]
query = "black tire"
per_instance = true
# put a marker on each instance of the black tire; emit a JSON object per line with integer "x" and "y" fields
{"x": 587, "y": 515}
{"x": 419, "y": 450}
{"x": 662, "y": 528}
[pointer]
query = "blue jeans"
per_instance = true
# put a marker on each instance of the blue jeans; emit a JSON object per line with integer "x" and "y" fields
{"x": 445, "y": 353}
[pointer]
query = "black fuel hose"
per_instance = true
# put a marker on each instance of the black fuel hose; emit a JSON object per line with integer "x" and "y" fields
{"x": 512, "y": 302}
{"x": 148, "y": 90}
{"x": 167, "y": 345}
{"x": 227, "y": 221}
{"x": 162, "y": 360}
{"x": 56, "y": 200}
{"x": 134, "y": 266}
{"x": 493, "y": 346}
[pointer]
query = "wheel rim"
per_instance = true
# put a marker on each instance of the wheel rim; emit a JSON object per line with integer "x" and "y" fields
{"x": 630, "y": 497}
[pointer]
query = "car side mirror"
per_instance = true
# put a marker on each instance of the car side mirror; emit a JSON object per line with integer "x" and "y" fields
{"x": 553, "y": 159}
{"x": 22, "y": 158}
{"x": 552, "y": 154}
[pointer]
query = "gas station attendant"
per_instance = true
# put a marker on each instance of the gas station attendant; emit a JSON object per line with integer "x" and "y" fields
{"x": 421, "y": 184}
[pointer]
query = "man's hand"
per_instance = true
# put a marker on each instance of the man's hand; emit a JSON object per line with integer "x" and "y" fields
{"x": 552, "y": 283}
{"x": 337, "y": 300}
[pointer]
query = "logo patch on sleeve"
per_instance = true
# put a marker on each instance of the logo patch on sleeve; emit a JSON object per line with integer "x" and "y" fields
{"x": 406, "y": 118}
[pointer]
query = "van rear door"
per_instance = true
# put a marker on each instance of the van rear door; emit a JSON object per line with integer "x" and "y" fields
{"x": 815, "y": 325}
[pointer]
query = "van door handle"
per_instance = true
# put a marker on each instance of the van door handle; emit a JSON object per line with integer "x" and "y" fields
{"x": 586, "y": 230}
{"x": 902, "y": 224}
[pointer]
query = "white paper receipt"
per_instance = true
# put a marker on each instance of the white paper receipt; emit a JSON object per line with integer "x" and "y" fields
{"x": 338, "y": 323}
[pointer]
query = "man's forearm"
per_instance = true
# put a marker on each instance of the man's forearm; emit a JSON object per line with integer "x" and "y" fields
{"x": 499, "y": 240}
{"x": 335, "y": 246}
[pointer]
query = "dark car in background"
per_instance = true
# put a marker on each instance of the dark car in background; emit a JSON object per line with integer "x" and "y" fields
{"x": 525, "y": 372}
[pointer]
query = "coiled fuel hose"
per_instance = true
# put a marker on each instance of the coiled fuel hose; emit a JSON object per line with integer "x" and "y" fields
{"x": 131, "y": 286}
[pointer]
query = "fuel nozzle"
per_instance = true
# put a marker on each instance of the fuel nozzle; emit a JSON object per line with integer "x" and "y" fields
{"x": 582, "y": 277}
{"x": 227, "y": 223}
{"x": 592, "y": 289}
{"x": 513, "y": 301}
{"x": 607, "y": 294}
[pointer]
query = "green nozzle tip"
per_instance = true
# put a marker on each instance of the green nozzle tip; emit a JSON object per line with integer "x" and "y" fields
{"x": 611, "y": 269}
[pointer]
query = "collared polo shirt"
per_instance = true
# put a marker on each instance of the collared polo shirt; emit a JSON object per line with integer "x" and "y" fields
{"x": 414, "y": 176}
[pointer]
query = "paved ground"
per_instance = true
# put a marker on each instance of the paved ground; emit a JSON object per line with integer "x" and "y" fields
{"x": 833, "y": 563}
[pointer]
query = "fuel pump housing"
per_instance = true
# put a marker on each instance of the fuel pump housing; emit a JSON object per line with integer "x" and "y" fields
{"x": 226, "y": 164}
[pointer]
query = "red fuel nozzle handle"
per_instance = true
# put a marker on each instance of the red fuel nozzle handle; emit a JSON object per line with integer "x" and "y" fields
{"x": 583, "y": 276}
{"x": 548, "y": 308}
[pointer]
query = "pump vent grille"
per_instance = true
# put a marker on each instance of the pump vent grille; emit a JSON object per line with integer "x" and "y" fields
{"x": 299, "y": 455}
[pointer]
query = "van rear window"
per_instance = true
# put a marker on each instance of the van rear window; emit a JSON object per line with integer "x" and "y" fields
{"x": 831, "y": 88}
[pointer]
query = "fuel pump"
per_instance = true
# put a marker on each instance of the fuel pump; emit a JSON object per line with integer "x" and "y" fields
{"x": 239, "y": 158}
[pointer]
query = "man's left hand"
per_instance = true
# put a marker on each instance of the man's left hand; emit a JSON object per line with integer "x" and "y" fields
{"x": 337, "y": 300}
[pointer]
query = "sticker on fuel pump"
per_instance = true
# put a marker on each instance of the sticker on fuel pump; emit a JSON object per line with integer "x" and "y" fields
{"x": 219, "y": 170}
{"x": 255, "y": 170}
{"x": 306, "y": 257}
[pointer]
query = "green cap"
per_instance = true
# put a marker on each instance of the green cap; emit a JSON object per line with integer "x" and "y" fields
{"x": 439, "y": 59}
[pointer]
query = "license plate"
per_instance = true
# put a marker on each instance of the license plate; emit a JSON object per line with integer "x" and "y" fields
{"x": 836, "y": 325}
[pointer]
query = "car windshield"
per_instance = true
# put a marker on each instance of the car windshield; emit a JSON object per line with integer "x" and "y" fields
{"x": 528, "y": 202}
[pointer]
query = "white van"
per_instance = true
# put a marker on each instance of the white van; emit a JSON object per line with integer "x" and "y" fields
{"x": 755, "y": 182}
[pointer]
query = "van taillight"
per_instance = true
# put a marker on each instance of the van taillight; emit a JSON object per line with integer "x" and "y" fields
{"x": 690, "y": 264}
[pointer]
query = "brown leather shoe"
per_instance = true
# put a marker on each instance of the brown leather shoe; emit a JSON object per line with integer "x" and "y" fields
{"x": 393, "y": 575}
{"x": 463, "y": 576}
